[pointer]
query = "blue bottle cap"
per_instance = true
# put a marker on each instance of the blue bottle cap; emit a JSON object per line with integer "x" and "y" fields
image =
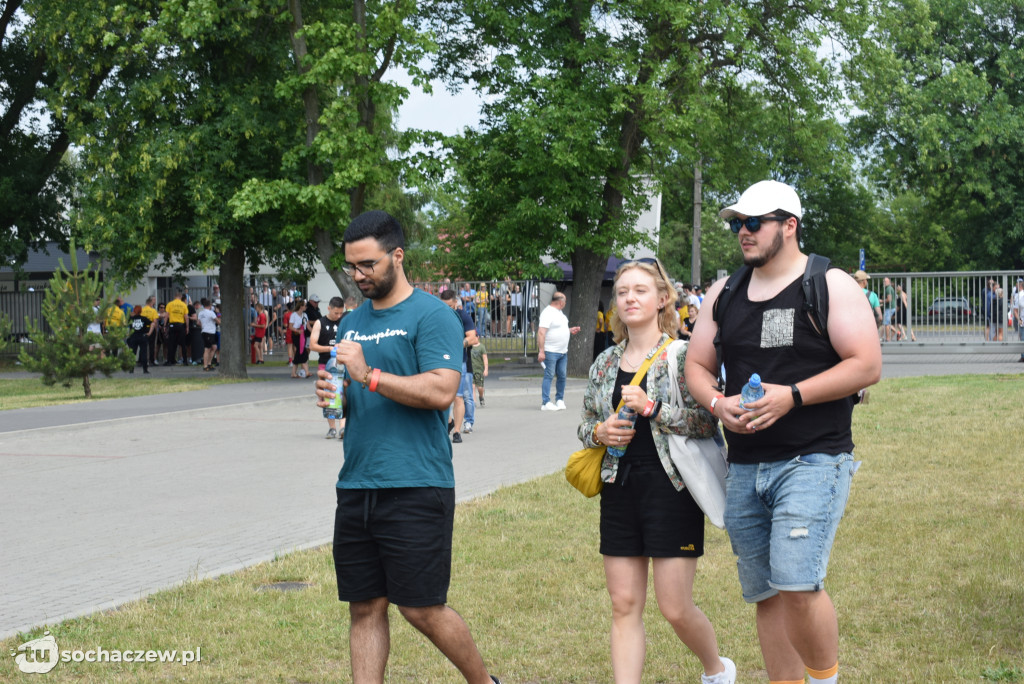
{"x": 755, "y": 380}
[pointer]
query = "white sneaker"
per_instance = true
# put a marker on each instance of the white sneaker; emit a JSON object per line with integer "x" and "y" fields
{"x": 549, "y": 407}
{"x": 560, "y": 405}
{"x": 467, "y": 428}
{"x": 726, "y": 677}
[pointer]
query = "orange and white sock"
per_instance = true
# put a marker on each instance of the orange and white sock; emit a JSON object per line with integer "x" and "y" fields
{"x": 829, "y": 676}
{"x": 786, "y": 681}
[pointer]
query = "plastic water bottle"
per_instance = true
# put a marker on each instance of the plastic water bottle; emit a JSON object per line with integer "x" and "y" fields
{"x": 751, "y": 392}
{"x": 337, "y": 375}
{"x": 629, "y": 414}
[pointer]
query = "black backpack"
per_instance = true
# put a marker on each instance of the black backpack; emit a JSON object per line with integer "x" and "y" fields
{"x": 815, "y": 300}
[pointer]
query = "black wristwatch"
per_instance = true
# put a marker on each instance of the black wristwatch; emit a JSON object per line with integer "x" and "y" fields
{"x": 797, "y": 399}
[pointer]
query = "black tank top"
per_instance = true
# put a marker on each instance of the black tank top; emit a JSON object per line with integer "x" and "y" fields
{"x": 641, "y": 452}
{"x": 775, "y": 339}
{"x": 328, "y": 331}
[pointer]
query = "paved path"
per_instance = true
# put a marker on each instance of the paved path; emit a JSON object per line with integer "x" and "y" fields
{"x": 118, "y": 499}
{"x": 109, "y": 501}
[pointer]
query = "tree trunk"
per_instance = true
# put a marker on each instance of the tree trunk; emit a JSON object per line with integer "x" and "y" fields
{"x": 234, "y": 326}
{"x": 326, "y": 249}
{"x": 698, "y": 190}
{"x": 325, "y": 245}
{"x": 87, "y": 386}
{"x": 587, "y": 274}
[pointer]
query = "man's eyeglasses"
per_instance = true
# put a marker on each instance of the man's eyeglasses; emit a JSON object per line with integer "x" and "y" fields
{"x": 365, "y": 267}
{"x": 753, "y": 223}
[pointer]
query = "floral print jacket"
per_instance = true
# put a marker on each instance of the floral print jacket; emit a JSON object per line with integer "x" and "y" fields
{"x": 690, "y": 419}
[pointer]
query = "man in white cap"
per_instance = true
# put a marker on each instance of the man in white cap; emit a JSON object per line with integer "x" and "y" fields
{"x": 790, "y": 452}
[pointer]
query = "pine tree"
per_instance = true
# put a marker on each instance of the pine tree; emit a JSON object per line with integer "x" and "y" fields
{"x": 5, "y": 332}
{"x": 74, "y": 300}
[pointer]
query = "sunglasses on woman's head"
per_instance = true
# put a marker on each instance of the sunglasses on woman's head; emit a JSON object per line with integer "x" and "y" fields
{"x": 752, "y": 223}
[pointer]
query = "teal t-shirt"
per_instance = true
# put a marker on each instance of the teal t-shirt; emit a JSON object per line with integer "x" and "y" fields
{"x": 890, "y": 294}
{"x": 388, "y": 444}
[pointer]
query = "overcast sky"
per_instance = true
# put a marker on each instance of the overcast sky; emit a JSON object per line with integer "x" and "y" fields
{"x": 439, "y": 111}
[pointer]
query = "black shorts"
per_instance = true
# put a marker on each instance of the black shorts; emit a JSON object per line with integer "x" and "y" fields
{"x": 395, "y": 543}
{"x": 209, "y": 340}
{"x": 642, "y": 514}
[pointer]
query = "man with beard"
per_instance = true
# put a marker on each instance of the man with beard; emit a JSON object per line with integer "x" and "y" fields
{"x": 790, "y": 452}
{"x": 396, "y": 490}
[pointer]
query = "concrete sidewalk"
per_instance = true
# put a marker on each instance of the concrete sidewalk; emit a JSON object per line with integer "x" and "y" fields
{"x": 106, "y": 502}
{"x": 107, "y": 509}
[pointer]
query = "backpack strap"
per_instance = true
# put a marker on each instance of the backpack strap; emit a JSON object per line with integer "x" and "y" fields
{"x": 717, "y": 311}
{"x": 816, "y": 293}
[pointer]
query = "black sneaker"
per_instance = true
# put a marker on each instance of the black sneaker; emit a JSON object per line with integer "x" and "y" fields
{"x": 457, "y": 438}
{"x": 495, "y": 679}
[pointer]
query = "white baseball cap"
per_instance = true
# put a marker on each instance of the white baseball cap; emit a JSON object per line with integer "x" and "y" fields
{"x": 764, "y": 197}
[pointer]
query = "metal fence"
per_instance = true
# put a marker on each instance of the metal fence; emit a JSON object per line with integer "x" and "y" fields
{"x": 22, "y": 306}
{"x": 945, "y": 311}
{"x": 506, "y": 315}
{"x": 949, "y": 311}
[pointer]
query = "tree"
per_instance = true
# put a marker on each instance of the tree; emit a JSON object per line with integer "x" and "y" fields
{"x": 187, "y": 116}
{"x": 35, "y": 175}
{"x": 74, "y": 300}
{"x": 5, "y": 332}
{"x": 941, "y": 86}
{"x": 589, "y": 101}
{"x": 342, "y": 55}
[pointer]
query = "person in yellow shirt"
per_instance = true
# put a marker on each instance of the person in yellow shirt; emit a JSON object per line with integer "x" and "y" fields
{"x": 600, "y": 330}
{"x": 115, "y": 315}
{"x": 483, "y": 310}
{"x": 177, "y": 329}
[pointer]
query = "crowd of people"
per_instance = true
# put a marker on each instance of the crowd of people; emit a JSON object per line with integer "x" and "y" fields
{"x": 501, "y": 308}
{"x": 177, "y": 332}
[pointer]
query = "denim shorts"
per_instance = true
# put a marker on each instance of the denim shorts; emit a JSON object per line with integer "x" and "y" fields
{"x": 782, "y": 518}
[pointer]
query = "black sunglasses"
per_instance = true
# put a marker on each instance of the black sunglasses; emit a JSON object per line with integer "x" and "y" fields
{"x": 650, "y": 261}
{"x": 753, "y": 223}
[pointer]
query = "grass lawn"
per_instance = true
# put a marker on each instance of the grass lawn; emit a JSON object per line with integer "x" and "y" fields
{"x": 927, "y": 575}
{"x": 25, "y": 393}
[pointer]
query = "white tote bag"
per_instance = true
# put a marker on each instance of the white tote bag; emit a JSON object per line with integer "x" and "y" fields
{"x": 700, "y": 462}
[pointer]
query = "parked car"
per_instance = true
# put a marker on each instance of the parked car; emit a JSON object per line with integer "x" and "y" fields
{"x": 950, "y": 308}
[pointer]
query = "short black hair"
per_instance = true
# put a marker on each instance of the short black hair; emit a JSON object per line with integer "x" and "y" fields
{"x": 380, "y": 225}
{"x": 336, "y": 302}
{"x": 448, "y": 295}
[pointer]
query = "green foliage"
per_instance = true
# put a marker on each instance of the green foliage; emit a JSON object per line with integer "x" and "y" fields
{"x": 596, "y": 100}
{"x": 35, "y": 176}
{"x": 74, "y": 300}
{"x": 185, "y": 118}
{"x": 351, "y": 151}
{"x": 940, "y": 87}
{"x": 5, "y": 332}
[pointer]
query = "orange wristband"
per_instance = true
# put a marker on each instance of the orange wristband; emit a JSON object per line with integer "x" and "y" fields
{"x": 374, "y": 379}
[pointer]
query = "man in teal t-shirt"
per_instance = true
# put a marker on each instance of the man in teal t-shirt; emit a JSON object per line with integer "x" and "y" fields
{"x": 393, "y": 524}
